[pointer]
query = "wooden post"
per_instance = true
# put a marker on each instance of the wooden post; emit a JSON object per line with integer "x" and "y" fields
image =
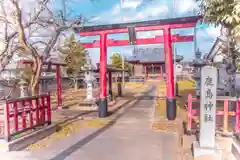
{"x": 59, "y": 87}
{"x": 133, "y": 67}
{"x": 225, "y": 119}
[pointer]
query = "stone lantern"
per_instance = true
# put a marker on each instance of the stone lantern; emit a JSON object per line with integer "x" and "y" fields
{"x": 198, "y": 64}
{"x": 89, "y": 79}
{"x": 23, "y": 88}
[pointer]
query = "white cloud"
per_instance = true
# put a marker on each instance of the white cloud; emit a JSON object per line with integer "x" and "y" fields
{"x": 116, "y": 15}
{"x": 186, "y": 5}
{"x": 130, "y": 3}
{"x": 116, "y": 10}
{"x": 149, "y": 34}
{"x": 158, "y": 10}
{"x": 214, "y": 31}
{"x": 206, "y": 37}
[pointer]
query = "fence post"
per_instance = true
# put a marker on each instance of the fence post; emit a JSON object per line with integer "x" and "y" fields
{"x": 189, "y": 112}
{"x": 31, "y": 113}
{"x": 37, "y": 110}
{"x": 237, "y": 116}
{"x": 15, "y": 105}
{"x": 49, "y": 114}
{"x": 225, "y": 119}
{"x": 6, "y": 122}
{"x": 24, "y": 123}
{"x": 43, "y": 109}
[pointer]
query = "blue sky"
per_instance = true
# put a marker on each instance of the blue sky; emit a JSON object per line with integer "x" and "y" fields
{"x": 109, "y": 11}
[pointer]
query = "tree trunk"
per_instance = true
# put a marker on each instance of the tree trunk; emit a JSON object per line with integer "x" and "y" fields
{"x": 35, "y": 78}
{"x": 231, "y": 60}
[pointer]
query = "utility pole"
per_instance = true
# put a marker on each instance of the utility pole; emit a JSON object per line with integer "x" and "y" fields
{"x": 123, "y": 59}
{"x": 123, "y": 67}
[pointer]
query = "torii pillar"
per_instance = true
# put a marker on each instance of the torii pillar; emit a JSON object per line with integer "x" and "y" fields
{"x": 170, "y": 99}
{"x": 103, "y": 104}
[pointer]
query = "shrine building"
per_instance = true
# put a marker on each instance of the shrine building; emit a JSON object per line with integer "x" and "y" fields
{"x": 149, "y": 61}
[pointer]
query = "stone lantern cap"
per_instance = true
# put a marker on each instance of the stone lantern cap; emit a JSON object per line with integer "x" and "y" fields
{"x": 198, "y": 63}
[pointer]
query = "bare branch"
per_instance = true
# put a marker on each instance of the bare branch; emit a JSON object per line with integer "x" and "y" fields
{"x": 39, "y": 42}
{"x": 20, "y": 28}
{"x": 35, "y": 32}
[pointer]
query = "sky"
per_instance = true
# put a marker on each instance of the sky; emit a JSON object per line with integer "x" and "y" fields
{"x": 111, "y": 12}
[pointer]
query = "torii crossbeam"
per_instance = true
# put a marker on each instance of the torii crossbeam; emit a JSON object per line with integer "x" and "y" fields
{"x": 165, "y": 25}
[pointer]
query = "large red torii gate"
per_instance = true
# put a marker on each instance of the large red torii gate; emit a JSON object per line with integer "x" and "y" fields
{"x": 142, "y": 41}
{"x": 165, "y": 25}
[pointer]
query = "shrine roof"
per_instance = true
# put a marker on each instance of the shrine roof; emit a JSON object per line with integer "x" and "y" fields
{"x": 149, "y": 55}
{"x": 110, "y": 68}
{"x": 181, "y": 20}
{"x": 218, "y": 47}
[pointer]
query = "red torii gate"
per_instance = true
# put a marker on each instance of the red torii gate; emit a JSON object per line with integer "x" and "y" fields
{"x": 58, "y": 77}
{"x": 167, "y": 38}
{"x": 142, "y": 41}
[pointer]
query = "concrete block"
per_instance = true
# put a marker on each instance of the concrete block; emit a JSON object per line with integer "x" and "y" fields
{"x": 22, "y": 142}
{"x": 200, "y": 153}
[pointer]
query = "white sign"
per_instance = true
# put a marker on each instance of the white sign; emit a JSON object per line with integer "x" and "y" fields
{"x": 208, "y": 106}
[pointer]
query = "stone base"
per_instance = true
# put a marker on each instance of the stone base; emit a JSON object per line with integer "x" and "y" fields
{"x": 89, "y": 100}
{"x": 22, "y": 142}
{"x": 206, "y": 153}
{"x": 171, "y": 108}
{"x": 103, "y": 108}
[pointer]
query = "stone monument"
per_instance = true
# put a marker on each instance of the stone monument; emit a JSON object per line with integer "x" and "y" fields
{"x": 207, "y": 145}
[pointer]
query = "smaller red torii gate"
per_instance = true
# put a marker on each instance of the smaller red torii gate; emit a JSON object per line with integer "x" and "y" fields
{"x": 58, "y": 78}
{"x": 165, "y": 25}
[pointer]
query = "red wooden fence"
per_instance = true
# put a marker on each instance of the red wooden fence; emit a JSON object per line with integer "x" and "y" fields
{"x": 24, "y": 114}
{"x": 195, "y": 112}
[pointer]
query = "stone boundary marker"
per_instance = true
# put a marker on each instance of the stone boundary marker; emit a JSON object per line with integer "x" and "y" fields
{"x": 206, "y": 146}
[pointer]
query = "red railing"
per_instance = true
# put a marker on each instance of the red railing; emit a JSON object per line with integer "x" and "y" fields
{"x": 225, "y": 112}
{"x": 26, "y": 113}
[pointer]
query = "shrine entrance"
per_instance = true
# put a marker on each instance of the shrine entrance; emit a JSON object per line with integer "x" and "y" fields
{"x": 131, "y": 28}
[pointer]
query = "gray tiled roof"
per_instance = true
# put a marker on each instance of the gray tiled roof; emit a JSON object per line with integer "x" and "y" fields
{"x": 148, "y": 54}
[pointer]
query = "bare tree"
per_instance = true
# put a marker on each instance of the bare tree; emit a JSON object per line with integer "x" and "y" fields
{"x": 32, "y": 28}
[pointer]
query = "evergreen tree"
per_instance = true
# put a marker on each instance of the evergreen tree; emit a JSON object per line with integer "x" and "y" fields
{"x": 75, "y": 54}
{"x": 222, "y": 12}
{"x": 117, "y": 62}
{"x": 225, "y": 13}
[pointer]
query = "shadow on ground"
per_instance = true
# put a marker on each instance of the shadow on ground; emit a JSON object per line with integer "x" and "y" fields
{"x": 87, "y": 139}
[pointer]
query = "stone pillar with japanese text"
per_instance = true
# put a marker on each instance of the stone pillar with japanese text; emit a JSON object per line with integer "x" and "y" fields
{"x": 207, "y": 145}
{"x": 208, "y": 106}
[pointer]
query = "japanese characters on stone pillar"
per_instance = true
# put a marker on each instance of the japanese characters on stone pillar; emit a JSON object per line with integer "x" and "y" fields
{"x": 208, "y": 107}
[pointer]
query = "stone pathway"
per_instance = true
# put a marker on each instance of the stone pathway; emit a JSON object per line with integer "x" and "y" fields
{"x": 128, "y": 136}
